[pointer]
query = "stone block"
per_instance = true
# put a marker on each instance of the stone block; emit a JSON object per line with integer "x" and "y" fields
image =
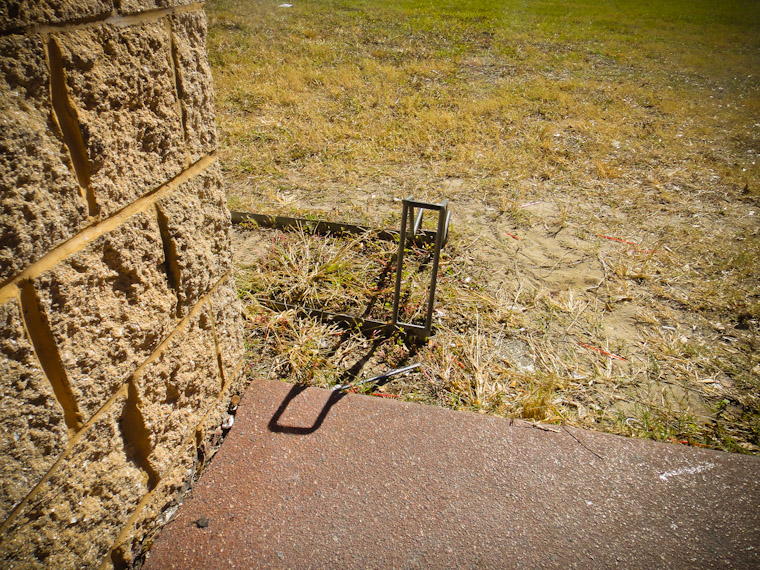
{"x": 175, "y": 391}
{"x": 41, "y": 203}
{"x": 229, "y": 326}
{"x": 32, "y": 425}
{"x": 79, "y": 511}
{"x": 195, "y": 83}
{"x": 108, "y": 307}
{"x": 196, "y": 223}
{"x": 121, "y": 83}
{"x": 159, "y": 509}
{"x": 22, "y": 13}
{"x": 137, "y": 6}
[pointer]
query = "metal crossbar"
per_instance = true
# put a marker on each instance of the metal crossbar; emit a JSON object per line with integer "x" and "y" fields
{"x": 411, "y": 235}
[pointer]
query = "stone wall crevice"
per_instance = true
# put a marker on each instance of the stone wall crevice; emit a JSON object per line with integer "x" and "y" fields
{"x": 193, "y": 76}
{"x": 197, "y": 433}
{"x": 136, "y": 437}
{"x": 123, "y": 391}
{"x": 78, "y": 510}
{"x": 126, "y": 545}
{"x": 41, "y": 337}
{"x": 174, "y": 61}
{"x": 182, "y": 324}
{"x": 173, "y": 274}
{"x": 68, "y": 122}
{"x": 45, "y": 29}
{"x": 42, "y": 204}
{"x": 95, "y": 230}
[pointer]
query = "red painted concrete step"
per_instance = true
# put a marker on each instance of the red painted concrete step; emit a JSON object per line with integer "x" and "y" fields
{"x": 313, "y": 479}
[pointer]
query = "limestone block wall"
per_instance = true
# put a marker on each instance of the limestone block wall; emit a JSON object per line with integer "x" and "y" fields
{"x": 120, "y": 332}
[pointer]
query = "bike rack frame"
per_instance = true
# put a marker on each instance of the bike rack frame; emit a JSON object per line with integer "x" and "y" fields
{"x": 408, "y": 206}
{"x": 411, "y": 233}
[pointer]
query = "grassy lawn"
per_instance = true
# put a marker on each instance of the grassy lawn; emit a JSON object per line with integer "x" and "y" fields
{"x": 551, "y": 126}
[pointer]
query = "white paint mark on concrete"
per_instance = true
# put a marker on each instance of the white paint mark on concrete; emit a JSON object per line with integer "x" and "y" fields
{"x": 687, "y": 471}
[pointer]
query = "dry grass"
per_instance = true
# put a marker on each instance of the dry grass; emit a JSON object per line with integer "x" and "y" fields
{"x": 352, "y": 275}
{"x": 548, "y": 125}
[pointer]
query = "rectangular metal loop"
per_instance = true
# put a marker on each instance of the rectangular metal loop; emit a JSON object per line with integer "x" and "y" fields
{"x": 410, "y": 232}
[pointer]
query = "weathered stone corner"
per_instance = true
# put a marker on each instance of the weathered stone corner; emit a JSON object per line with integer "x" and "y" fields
{"x": 120, "y": 328}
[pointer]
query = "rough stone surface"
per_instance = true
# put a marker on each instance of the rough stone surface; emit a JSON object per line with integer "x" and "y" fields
{"x": 109, "y": 307}
{"x": 40, "y": 201}
{"x": 121, "y": 83}
{"x": 195, "y": 85}
{"x": 175, "y": 390}
{"x": 308, "y": 478}
{"x": 101, "y": 104}
{"x": 137, "y": 6}
{"x": 91, "y": 494}
{"x": 196, "y": 223}
{"x": 30, "y": 442}
{"x": 229, "y": 327}
{"x": 160, "y": 508}
{"x": 21, "y": 13}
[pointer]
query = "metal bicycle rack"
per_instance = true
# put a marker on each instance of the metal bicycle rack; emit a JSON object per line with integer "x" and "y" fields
{"x": 441, "y": 235}
{"x": 411, "y": 233}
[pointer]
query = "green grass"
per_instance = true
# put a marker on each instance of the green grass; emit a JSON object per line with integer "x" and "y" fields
{"x": 636, "y": 120}
{"x": 352, "y": 86}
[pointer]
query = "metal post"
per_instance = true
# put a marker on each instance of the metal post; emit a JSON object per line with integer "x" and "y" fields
{"x": 400, "y": 261}
{"x": 439, "y": 236}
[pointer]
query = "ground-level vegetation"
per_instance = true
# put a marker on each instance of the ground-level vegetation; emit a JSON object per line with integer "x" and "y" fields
{"x": 601, "y": 160}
